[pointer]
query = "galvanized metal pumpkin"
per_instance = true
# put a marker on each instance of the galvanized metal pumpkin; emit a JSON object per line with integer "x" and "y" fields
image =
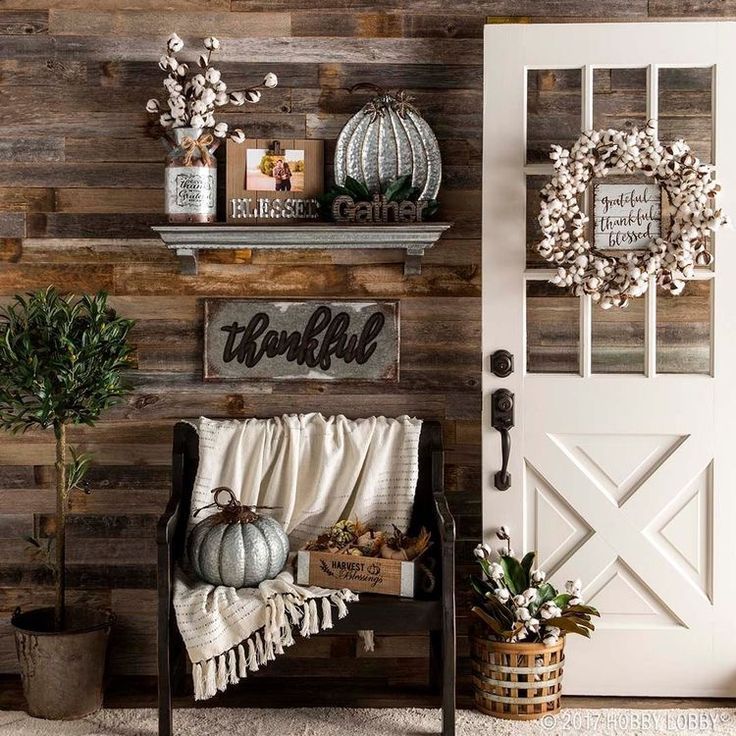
{"x": 237, "y": 546}
{"x": 388, "y": 138}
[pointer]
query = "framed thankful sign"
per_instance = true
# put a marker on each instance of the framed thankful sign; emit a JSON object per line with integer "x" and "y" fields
{"x": 626, "y": 216}
{"x": 297, "y": 340}
{"x": 274, "y": 181}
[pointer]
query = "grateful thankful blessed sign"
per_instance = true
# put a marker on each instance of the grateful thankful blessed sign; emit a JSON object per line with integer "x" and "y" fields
{"x": 626, "y": 216}
{"x": 301, "y": 340}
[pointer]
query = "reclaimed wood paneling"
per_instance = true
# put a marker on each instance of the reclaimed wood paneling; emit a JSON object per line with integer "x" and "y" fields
{"x": 81, "y": 184}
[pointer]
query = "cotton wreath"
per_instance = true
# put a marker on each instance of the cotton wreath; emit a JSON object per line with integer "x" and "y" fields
{"x": 612, "y": 279}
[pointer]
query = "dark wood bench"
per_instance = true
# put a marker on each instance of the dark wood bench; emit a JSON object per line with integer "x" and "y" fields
{"x": 433, "y": 612}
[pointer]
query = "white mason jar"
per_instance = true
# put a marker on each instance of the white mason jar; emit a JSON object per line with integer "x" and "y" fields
{"x": 190, "y": 186}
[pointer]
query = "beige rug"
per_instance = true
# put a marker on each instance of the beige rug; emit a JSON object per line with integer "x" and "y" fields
{"x": 375, "y": 722}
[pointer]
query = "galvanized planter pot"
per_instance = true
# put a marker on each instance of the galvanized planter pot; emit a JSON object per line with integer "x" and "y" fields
{"x": 516, "y": 681}
{"x": 62, "y": 671}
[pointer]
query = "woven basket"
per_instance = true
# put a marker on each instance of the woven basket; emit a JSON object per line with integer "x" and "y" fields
{"x": 516, "y": 681}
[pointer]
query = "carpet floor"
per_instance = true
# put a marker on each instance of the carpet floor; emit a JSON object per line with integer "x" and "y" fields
{"x": 378, "y": 722}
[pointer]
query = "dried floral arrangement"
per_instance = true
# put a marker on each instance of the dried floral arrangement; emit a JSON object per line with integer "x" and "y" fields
{"x": 351, "y": 537}
{"x": 517, "y": 604}
{"x": 191, "y": 99}
{"x": 611, "y": 280}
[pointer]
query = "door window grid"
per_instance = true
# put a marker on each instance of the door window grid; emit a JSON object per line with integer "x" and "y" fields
{"x": 586, "y": 305}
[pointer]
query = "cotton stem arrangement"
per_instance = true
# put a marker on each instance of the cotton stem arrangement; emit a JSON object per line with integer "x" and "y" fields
{"x": 192, "y": 98}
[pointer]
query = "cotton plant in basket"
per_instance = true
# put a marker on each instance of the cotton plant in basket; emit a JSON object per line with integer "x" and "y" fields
{"x": 187, "y": 115}
{"x": 517, "y": 603}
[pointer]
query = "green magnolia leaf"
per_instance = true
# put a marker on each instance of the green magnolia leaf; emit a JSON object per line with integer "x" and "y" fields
{"x": 562, "y": 600}
{"x": 513, "y": 574}
{"x": 546, "y": 593}
{"x": 357, "y": 189}
{"x": 398, "y": 185}
{"x": 527, "y": 562}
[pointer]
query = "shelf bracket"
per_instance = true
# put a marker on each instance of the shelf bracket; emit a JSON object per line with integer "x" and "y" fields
{"x": 413, "y": 261}
{"x": 188, "y": 261}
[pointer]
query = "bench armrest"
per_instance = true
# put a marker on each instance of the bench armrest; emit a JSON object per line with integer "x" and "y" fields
{"x": 445, "y": 520}
{"x": 167, "y": 522}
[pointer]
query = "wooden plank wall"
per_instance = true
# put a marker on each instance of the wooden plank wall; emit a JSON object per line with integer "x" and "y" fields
{"x": 81, "y": 183}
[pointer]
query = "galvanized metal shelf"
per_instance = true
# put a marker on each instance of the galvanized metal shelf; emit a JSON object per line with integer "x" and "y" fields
{"x": 414, "y": 238}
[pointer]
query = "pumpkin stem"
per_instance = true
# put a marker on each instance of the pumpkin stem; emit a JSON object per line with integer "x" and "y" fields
{"x": 232, "y": 510}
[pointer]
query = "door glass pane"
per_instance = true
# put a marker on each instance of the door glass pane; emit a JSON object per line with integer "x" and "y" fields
{"x": 552, "y": 328}
{"x": 686, "y": 108}
{"x": 684, "y": 329}
{"x": 619, "y": 98}
{"x": 618, "y": 338}
{"x": 554, "y": 109}
{"x": 534, "y": 185}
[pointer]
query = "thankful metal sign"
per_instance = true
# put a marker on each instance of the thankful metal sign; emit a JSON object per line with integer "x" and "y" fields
{"x": 297, "y": 340}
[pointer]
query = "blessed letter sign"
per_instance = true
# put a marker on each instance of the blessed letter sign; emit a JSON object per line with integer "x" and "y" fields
{"x": 627, "y": 216}
{"x": 301, "y": 340}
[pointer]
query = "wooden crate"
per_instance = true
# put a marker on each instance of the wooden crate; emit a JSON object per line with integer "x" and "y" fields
{"x": 362, "y": 574}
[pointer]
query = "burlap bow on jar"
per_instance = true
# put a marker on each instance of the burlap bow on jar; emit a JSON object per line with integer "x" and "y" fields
{"x": 202, "y": 144}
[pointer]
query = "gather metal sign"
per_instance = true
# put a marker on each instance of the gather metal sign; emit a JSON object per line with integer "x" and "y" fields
{"x": 290, "y": 339}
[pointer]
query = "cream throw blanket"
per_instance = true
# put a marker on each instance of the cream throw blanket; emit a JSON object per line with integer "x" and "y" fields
{"x": 317, "y": 470}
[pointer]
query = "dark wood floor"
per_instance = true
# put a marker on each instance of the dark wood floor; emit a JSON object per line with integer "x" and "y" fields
{"x": 140, "y": 692}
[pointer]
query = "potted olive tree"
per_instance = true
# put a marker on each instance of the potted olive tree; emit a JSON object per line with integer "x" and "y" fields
{"x": 61, "y": 363}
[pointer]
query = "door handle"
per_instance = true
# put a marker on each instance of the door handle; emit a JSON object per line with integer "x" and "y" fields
{"x": 502, "y": 420}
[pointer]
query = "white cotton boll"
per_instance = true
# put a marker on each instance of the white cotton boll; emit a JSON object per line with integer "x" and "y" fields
{"x": 497, "y": 572}
{"x": 165, "y": 63}
{"x": 503, "y": 595}
{"x": 538, "y": 576}
{"x": 252, "y": 95}
{"x": 198, "y": 82}
{"x": 220, "y": 130}
{"x": 182, "y": 70}
{"x": 209, "y": 120}
{"x": 212, "y": 75}
{"x": 198, "y": 107}
{"x": 208, "y": 96}
{"x": 174, "y": 44}
{"x": 519, "y": 600}
{"x": 152, "y": 105}
{"x": 211, "y": 43}
{"x": 166, "y": 120}
{"x": 237, "y": 98}
{"x": 237, "y": 136}
{"x": 522, "y": 614}
{"x": 197, "y": 121}
{"x": 203, "y": 61}
{"x": 270, "y": 80}
{"x": 221, "y": 99}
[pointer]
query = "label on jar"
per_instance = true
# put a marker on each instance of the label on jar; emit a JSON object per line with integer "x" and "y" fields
{"x": 191, "y": 190}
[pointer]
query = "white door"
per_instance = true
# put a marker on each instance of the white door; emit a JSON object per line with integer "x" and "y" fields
{"x": 623, "y": 454}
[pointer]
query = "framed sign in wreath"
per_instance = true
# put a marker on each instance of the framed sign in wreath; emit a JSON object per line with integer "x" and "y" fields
{"x": 611, "y": 278}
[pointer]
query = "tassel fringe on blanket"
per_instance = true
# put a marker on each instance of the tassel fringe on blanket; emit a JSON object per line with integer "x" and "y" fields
{"x": 284, "y": 613}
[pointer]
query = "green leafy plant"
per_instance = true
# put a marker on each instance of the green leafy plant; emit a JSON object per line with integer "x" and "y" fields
{"x": 516, "y": 603}
{"x": 61, "y": 363}
{"x": 398, "y": 190}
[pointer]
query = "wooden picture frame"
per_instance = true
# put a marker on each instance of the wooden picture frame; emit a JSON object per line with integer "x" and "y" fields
{"x": 254, "y": 197}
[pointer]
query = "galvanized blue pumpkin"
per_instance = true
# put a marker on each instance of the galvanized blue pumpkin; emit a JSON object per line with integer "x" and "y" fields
{"x": 237, "y": 546}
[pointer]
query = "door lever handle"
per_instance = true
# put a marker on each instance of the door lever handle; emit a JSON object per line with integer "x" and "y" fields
{"x": 502, "y": 420}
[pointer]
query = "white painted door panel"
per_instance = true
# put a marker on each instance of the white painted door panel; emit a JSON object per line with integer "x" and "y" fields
{"x": 626, "y": 481}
